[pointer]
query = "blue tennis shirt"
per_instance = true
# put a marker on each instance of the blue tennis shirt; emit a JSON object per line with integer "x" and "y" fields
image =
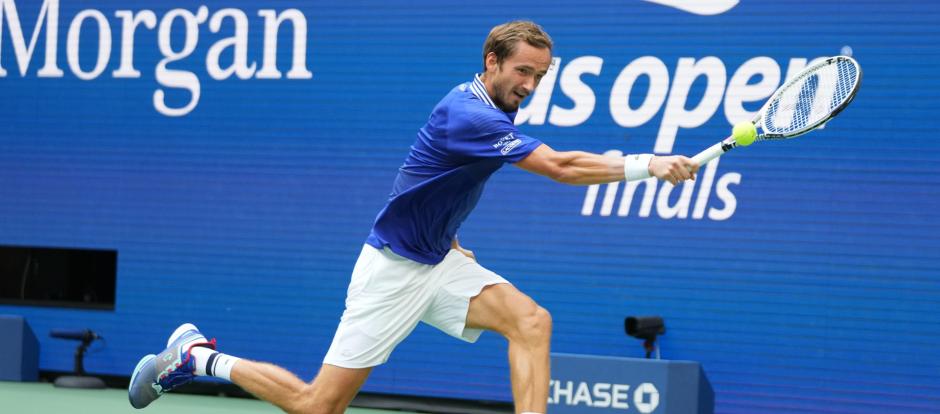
{"x": 466, "y": 139}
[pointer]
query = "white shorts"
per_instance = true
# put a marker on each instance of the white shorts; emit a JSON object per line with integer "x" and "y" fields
{"x": 389, "y": 294}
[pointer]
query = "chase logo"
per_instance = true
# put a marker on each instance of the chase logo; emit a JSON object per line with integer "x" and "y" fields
{"x": 603, "y": 396}
{"x": 699, "y": 7}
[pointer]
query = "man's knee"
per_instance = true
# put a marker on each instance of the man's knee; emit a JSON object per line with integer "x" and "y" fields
{"x": 535, "y": 326}
{"x": 309, "y": 401}
{"x": 330, "y": 392}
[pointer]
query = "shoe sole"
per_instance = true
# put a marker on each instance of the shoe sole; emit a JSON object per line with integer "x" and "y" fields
{"x": 140, "y": 364}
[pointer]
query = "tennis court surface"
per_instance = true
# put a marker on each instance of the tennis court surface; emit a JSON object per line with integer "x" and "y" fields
{"x": 43, "y": 398}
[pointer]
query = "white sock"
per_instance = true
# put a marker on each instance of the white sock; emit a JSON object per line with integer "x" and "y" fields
{"x": 530, "y": 412}
{"x": 221, "y": 366}
{"x": 201, "y": 354}
{"x": 209, "y": 362}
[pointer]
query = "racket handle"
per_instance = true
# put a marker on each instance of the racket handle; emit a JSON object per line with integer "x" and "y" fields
{"x": 714, "y": 151}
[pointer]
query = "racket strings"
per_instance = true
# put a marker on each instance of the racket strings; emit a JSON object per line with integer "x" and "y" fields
{"x": 811, "y": 98}
{"x": 848, "y": 75}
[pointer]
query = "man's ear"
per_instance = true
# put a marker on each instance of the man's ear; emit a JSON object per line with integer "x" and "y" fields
{"x": 491, "y": 61}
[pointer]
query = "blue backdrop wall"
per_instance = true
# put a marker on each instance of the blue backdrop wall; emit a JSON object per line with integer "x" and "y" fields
{"x": 234, "y": 153}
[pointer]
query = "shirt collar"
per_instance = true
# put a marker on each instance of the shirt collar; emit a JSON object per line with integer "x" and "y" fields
{"x": 479, "y": 89}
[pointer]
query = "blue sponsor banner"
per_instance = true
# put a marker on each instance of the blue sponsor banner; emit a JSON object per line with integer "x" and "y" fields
{"x": 235, "y": 153}
{"x": 586, "y": 384}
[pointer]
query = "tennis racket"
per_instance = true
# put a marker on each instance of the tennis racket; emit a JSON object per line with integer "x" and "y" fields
{"x": 803, "y": 103}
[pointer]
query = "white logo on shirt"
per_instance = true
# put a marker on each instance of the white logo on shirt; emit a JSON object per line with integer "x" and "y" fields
{"x": 503, "y": 141}
{"x": 510, "y": 146}
{"x": 507, "y": 143}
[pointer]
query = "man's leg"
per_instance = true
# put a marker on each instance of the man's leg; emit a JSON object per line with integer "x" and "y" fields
{"x": 329, "y": 393}
{"x": 189, "y": 354}
{"x": 528, "y": 327}
{"x": 383, "y": 305}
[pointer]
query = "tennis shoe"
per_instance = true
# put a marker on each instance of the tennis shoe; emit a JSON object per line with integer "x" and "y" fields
{"x": 175, "y": 366}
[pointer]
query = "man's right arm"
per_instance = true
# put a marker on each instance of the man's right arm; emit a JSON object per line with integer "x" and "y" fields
{"x": 584, "y": 168}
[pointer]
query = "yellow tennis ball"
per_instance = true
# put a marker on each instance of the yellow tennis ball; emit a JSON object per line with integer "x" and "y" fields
{"x": 744, "y": 133}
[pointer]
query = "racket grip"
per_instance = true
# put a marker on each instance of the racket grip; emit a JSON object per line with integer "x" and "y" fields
{"x": 714, "y": 151}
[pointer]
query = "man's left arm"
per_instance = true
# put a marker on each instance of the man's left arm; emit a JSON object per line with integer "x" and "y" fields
{"x": 585, "y": 168}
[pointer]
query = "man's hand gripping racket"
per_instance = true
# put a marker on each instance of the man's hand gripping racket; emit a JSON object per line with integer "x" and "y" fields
{"x": 803, "y": 103}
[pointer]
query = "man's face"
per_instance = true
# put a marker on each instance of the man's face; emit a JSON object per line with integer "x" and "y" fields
{"x": 517, "y": 76}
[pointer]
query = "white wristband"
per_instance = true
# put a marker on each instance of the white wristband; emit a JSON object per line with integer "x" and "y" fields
{"x": 636, "y": 166}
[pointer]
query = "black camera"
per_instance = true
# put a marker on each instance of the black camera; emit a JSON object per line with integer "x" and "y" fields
{"x": 646, "y": 328}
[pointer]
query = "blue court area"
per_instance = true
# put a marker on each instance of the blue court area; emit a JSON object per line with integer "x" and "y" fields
{"x": 43, "y": 398}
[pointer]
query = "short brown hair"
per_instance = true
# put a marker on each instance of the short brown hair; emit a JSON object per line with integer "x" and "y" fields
{"x": 502, "y": 39}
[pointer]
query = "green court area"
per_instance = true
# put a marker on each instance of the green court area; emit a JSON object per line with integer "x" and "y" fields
{"x": 43, "y": 398}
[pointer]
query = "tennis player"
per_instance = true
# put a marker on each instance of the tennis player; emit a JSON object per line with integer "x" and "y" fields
{"x": 412, "y": 268}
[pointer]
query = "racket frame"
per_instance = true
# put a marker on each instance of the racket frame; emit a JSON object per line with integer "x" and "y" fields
{"x": 730, "y": 143}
